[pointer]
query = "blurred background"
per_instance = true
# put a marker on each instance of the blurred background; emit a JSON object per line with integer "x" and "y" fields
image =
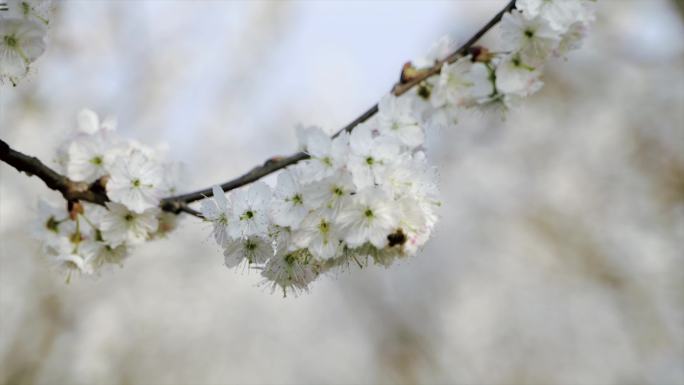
{"x": 559, "y": 257}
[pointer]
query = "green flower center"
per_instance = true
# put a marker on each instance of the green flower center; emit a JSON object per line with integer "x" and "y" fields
{"x": 52, "y": 224}
{"x": 324, "y": 227}
{"x": 297, "y": 199}
{"x": 11, "y": 41}
{"x": 75, "y": 238}
{"x": 249, "y": 214}
{"x": 129, "y": 217}
{"x": 424, "y": 90}
{"x": 370, "y": 160}
{"x": 98, "y": 161}
{"x": 368, "y": 213}
{"x": 136, "y": 183}
{"x": 250, "y": 245}
{"x": 290, "y": 259}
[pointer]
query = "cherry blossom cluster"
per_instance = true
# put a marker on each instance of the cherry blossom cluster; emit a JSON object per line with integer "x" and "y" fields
{"x": 371, "y": 194}
{"x": 87, "y": 237}
{"x": 494, "y": 80}
{"x": 23, "y": 29}
{"x": 365, "y": 194}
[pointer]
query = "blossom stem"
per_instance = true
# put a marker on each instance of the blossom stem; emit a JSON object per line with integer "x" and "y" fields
{"x": 94, "y": 193}
{"x": 275, "y": 164}
{"x": 32, "y": 166}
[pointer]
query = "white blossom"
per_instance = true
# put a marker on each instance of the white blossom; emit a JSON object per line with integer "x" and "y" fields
{"x": 293, "y": 271}
{"x": 99, "y": 254}
{"x": 438, "y": 51}
{"x": 513, "y": 76}
{"x": 89, "y": 158}
{"x": 287, "y": 206}
{"x": 369, "y": 155}
{"x": 250, "y": 211}
{"x": 327, "y": 154}
{"x": 396, "y": 119}
{"x": 217, "y": 211}
{"x": 123, "y": 226}
{"x": 572, "y": 39}
{"x": 254, "y": 249}
{"x": 36, "y": 10}
{"x": 559, "y": 14}
{"x": 69, "y": 263}
{"x": 319, "y": 234}
{"x": 462, "y": 84}
{"x": 532, "y": 38}
{"x": 88, "y": 122}
{"x": 22, "y": 41}
{"x": 329, "y": 193}
{"x": 136, "y": 182}
{"x": 52, "y": 223}
{"x": 369, "y": 217}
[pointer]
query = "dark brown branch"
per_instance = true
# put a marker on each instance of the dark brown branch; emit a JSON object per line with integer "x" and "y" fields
{"x": 95, "y": 193}
{"x": 273, "y": 165}
{"x": 72, "y": 191}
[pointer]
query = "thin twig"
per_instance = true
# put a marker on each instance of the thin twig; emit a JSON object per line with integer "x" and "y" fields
{"x": 72, "y": 191}
{"x": 273, "y": 165}
{"x": 94, "y": 193}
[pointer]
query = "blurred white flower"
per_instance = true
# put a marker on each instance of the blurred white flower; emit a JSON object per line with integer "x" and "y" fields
{"x": 513, "y": 76}
{"x": 396, "y": 119}
{"x": 288, "y": 207}
{"x": 254, "y": 249}
{"x": 368, "y": 217}
{"x": 369, "y": 154}
{"x": 216, "y": 211}
{"x": 462, "y": 84}
{"x": 250, "y": 212}
{"x": 293, "y": 271}
{"x": 531, "y": 38}
{"x": 52, "y": 223}
{"x": 89, "y": 157}
{"x": 22, "y": 41}
{"x": 559, "y": 14}
{"x": 123, "y": 226}
{"x": 327, "y": 154}
{"x": 36, "y": 10}
{"x": 136, "y": 182}
{"x": 438, "y": 51}
{"x": 88, "y": 122}
{"x": 319, "y": 234}
{"x": 329, "y": 192}
{"x": 572, "y": 39}
{"x": 99, "y": 254}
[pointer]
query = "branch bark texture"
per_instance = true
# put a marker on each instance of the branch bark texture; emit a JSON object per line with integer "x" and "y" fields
{"x": 95, "y": 193}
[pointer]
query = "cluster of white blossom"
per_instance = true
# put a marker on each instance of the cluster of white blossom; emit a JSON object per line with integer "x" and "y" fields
{"x": 366, "y": 194}
{"x": 86, "y": 237}
{"x": 23, "y": 29}
{"x": 371, "y": 193}
{"x": 533, "y": 33}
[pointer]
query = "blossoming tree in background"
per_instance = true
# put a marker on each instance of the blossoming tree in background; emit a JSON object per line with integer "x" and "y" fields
{"x": 365, "y": 194}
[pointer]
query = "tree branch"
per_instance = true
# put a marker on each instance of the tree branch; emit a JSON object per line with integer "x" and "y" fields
{"x": 72, "y": 191}
{"x": 95, "y": 193}
{"x": 400, "y": 88}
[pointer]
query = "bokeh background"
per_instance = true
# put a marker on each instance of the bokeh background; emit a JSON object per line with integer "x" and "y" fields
{"x": 559, "y": 257}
